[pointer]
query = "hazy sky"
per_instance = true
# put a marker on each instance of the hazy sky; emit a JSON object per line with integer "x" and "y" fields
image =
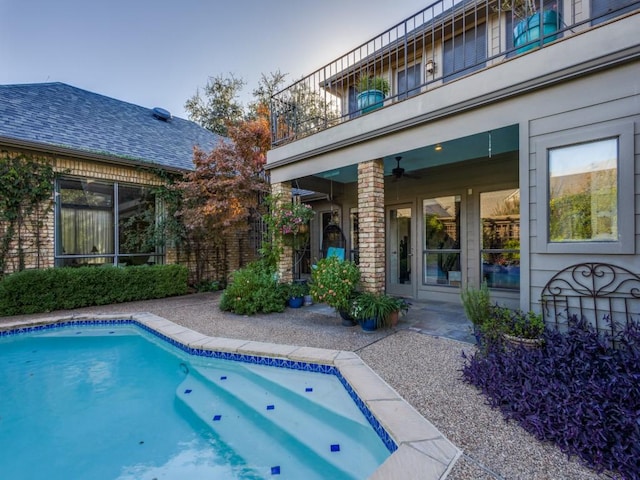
{"x": 158, "y": 52}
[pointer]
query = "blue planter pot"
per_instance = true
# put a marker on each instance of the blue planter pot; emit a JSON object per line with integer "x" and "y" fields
{"x": 369, "y": 324}
{"x": 370, "y": 100}
{"x": 296, "y": 302}
{"x": 528, "y": 30}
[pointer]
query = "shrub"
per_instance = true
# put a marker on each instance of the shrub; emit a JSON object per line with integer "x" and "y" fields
{"x": 576, "y": 390}
{"x": 254, "y": 289}
{"x": 333, "y": 281}
{"x": 36, "y": 291}
{"x": 476, "y": 303}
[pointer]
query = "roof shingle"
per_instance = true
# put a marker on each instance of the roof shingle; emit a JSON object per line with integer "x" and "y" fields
{"x": 60, "y": 115}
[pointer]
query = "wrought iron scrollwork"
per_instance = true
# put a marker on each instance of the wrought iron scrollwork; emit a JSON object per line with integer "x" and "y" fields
{"x": 606, "y": 295}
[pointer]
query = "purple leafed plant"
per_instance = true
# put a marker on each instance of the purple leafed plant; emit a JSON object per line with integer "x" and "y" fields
{"x": 580, "y": 390}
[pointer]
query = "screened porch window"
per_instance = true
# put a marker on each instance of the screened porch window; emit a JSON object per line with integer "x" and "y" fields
{"x": 100, "y": 223}
{"x": 442, "y": 241}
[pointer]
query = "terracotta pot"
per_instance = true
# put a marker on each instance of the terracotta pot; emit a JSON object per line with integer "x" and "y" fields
{"x": 528, "y": 343}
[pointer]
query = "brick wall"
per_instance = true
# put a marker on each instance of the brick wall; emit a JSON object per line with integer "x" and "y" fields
{"x": 371, "y": 234}
{"x": 238, "y": 250}
{"x": 285, "y": 264}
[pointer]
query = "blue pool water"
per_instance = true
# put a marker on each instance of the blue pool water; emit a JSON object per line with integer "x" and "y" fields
{"x": 115, "y": 402}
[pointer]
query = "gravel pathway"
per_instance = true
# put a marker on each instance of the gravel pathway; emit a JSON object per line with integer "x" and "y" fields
{"x": 425, "y": 370}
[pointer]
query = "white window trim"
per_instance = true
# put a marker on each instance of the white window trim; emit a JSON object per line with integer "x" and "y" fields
{"x": 624, "y": 131}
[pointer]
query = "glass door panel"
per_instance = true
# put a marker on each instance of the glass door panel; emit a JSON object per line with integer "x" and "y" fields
{"x": 400, "y": 251}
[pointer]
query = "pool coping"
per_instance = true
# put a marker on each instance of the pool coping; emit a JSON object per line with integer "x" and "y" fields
{"x": 423, "y": 452}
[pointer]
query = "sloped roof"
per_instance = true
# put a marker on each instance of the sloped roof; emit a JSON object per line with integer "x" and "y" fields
{"x": 71, "y": 119}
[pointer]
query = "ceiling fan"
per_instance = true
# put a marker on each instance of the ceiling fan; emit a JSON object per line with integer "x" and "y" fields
{"x": 398, "y": 172}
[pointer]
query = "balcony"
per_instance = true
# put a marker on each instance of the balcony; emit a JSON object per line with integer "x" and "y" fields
{"x": 447, "y": 40}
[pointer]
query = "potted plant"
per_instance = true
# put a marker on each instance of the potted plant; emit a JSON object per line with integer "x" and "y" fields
{"x": 401, "y": 306}
{"x": 372, "y": 310}
{"x": 477, "y": 306}
{"x": 296, "y": 292}
{"x": 289, "y": 220}
{"x": 529, "y": 23}
{"x": 334, "y": 282}
{"x": 372, "y": 91}
{"x": 521, "y": 328}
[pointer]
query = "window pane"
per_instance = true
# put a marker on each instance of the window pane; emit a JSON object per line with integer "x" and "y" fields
{"x": 442, "y": 240}
{"x": 500, "y": 249}
{"x": 583, "y": 193}
{"x": 136, "y": 219}
{"x": 465, "y": 53}
{"x": 86, "y": 218}
{"x": 409, "y": 81}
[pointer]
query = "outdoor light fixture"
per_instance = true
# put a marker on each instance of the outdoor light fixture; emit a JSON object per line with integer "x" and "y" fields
{"x": 438, "y": 147}
{"x": 430, "y": 67}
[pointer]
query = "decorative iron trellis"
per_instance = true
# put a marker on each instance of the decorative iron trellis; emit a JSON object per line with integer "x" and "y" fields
{"x": 606, "y": 295}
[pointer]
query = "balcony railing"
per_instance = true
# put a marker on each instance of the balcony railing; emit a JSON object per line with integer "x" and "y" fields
{"x": 446, "y": 40}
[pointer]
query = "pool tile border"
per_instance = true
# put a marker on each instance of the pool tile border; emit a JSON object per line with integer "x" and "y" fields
{"x": 418, "y": 449}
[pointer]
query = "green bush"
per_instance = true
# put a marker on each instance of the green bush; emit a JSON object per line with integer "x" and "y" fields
{"x": 36, "y": 291}
{"x": 254, "y": 289}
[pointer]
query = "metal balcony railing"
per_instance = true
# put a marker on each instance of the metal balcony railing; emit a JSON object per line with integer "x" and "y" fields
{"x": 446, "y": 40}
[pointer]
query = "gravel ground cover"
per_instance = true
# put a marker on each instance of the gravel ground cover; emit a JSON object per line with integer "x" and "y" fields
{"x": 425, "y": 370}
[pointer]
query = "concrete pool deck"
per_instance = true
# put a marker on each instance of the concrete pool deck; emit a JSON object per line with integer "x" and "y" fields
{"x": 419, "y": 360}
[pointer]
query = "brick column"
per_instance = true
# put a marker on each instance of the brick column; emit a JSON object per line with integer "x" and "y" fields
{"x": 371, "y": 223}
{"x": 285, "y": 263}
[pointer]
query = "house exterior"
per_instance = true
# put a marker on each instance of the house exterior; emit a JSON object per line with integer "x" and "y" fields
{"x": 506, "y": 149}
{"x": 108, "y": 155}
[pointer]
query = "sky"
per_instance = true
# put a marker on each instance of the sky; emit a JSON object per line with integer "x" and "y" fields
{"x": 157, "y": 53}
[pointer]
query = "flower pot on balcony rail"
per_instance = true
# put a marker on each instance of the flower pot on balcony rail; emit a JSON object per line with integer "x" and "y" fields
{"x": 370, "y": 100}
{"x": 527, "y": 31}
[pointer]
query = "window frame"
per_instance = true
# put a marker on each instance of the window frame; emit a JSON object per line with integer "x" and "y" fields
{"x": 116, "y": 257}
{"x": 457, "y": 198}
{"x": 624, "y": 132}
{"x": 416, "y": 69}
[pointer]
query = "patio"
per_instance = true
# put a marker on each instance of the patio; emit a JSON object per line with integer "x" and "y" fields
{"x": 420, "y": 360}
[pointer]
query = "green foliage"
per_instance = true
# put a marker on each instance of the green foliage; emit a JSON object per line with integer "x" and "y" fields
{"x": 370, "y": 82}
{"x": 334, "y": 281}
{"x": 367, "y": 305}
{"x": 35, "y": 291}
{"x": 26, "y": 185}
{"x": 477, "y": 304}
{"x": 254, "y": 289}
{"x": 297, "y": 289}
{"x": 219, "y": 106}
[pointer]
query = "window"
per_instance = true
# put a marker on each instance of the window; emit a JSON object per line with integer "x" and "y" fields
{"x": 409, "y": 80}
{"x": 500, "y": 249}
{"x": 583, "y": 199}
{"x": 442, "y": 241}
{"x": 101, "y": 223}
{"x": 603, "y": 10}
{"x": 465, "y": 53}
{"x": 586, "y": 198}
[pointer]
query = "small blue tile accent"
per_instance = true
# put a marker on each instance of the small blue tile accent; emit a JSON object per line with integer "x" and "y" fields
{"x": 224, "y": 377}
{"x": 271, "y": 407}
{"x": 275, "y": 470}
{"x": 217, "y": 418}
{"x": 308, "y": 389}
{"x": 335, "y": 447}
{"x": 188, "y": 391}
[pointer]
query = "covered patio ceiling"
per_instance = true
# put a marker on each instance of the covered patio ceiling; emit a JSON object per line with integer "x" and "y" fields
{"x": 479, "y": 145}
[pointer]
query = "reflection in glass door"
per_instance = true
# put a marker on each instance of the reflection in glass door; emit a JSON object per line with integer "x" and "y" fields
{"x": 400, "y": 251}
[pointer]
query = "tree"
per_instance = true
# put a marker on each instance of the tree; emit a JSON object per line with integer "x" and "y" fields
{"x": 222, "y": 194}
{"x": 267, "y": 86}
{"x": 219, "y": 106}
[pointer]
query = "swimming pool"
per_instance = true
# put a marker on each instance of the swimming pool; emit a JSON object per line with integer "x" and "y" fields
{"x": 202, "y": 440}
{"x": 114, "y": 402}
